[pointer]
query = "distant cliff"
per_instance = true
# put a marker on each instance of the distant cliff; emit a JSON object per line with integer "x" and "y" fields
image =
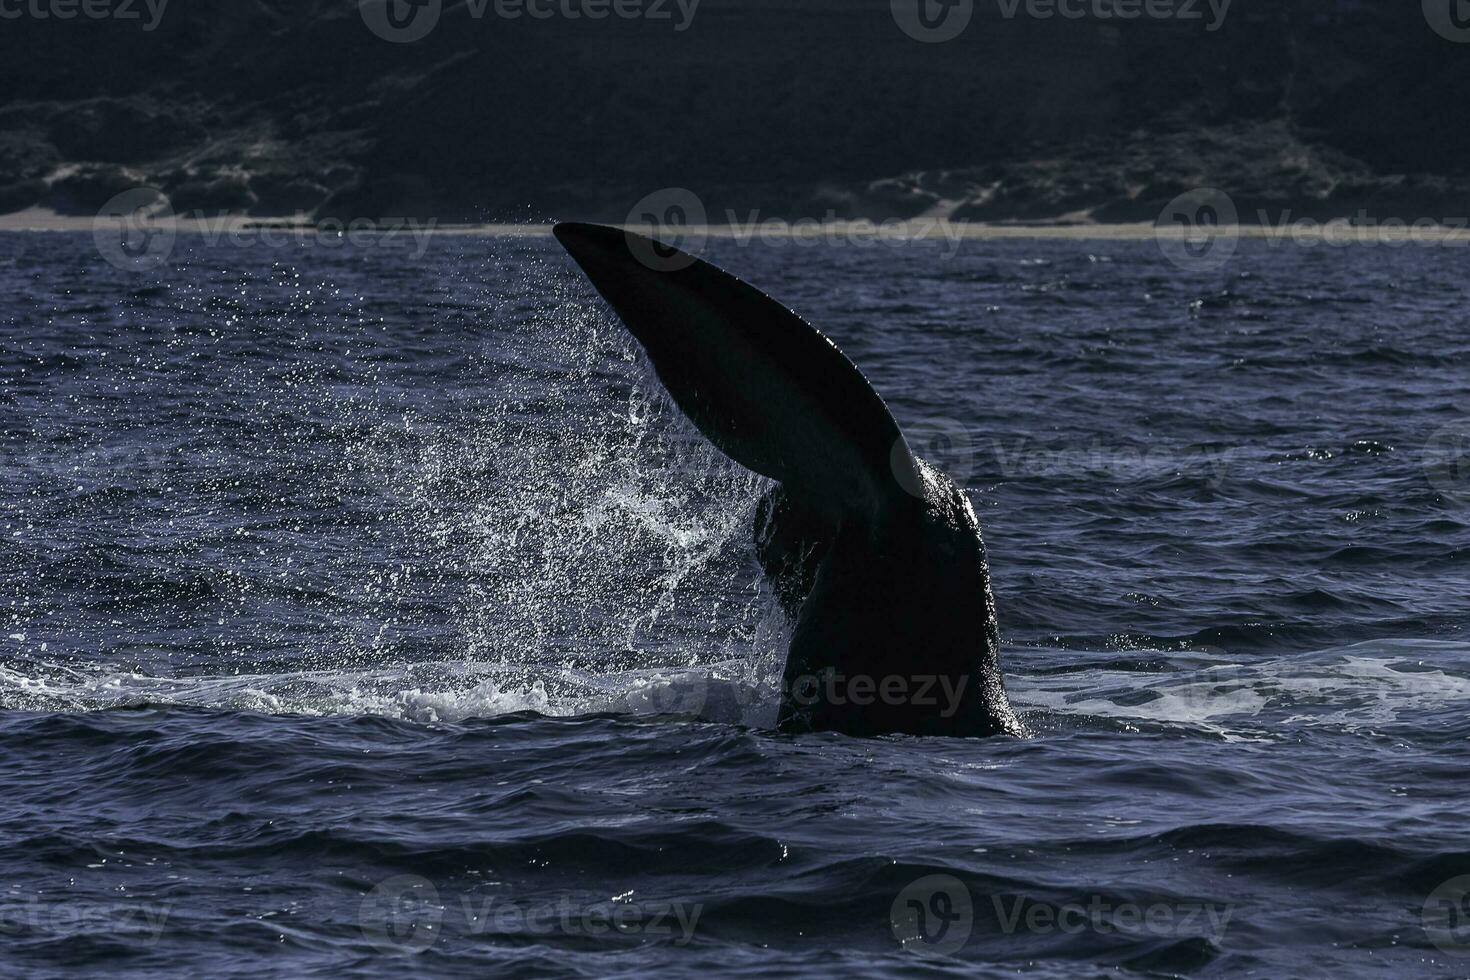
{"x": 795, "y": 109}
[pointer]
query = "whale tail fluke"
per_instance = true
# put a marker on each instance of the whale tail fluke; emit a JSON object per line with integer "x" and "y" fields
{"x": 877, "y": 557}
{"x": 763, "y": 385}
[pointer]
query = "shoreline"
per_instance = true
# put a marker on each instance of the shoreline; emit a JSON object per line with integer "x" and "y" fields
{"x": 850, "y": 231}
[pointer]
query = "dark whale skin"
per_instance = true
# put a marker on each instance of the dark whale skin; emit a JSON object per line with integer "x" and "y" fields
{"x": 875, "y": 554}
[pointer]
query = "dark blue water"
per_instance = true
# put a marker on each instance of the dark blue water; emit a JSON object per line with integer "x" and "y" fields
{"x": 370, "y": 613}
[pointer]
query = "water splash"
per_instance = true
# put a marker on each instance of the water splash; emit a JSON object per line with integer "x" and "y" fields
{"x": 549, "y": 535}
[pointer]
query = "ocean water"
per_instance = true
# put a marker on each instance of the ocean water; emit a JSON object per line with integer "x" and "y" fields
{"x": 369, "y": 611}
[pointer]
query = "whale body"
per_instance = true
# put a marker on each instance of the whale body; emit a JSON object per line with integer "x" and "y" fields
{"x": 875, "y": 554}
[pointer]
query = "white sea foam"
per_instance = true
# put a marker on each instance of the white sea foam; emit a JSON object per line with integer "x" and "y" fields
{"x": 1363, "y": 688}
{"x": 727, "y": 692}
{"x": 1358, "y": 688}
